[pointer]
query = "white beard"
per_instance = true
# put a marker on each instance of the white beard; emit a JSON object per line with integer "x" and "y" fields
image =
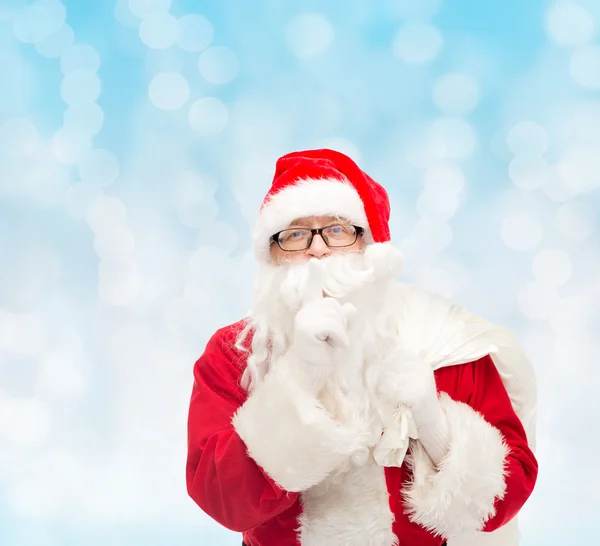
{"x": 362, "y": 279}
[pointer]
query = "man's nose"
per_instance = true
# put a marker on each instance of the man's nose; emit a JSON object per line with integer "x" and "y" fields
{"x": 318, "y": 248}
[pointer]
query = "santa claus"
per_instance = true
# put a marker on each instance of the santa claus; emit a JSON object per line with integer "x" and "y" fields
{"x": 349, "y": 409}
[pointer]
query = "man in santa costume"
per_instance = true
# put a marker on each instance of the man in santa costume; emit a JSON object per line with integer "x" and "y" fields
{"x": 349, "y": 409}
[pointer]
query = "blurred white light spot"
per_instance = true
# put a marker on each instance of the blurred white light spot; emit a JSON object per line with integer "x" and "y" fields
{"x": 80, "y": 57}
{"x": 309, "y": 35}
{"x": 581, "y": 124}
{"x": 580, "y": 169}
{"x": 159, "y": 30}
{"x": 433, "y": 235}
{"x": 559, "y": 187}
{"x": 418, "y": 43}
{"x": 39, "y": 20}
{"x": 57, "y": 43}
{"x": 195, "y": 32}
{"x": 456, "y": 93}
{"x": 221, "y": 235}
{"x": 105, "y": 212}
{"x": 144, "y": 8}
{"x": 521, "y": 232}
{"x": 24, "y": 422}
{"x": 570, "y": 315}
{"x": 198, "y": 214}
{"x": 47, "y": 488}
{"x": 46, "y": 181}
{"x": 169, "y": 91}
{"x": 437, "y": 280}
{"x": 70, "y": 145}
{"x": 124, "y": 16}
{"x": 585, "y": 67}
{"x": 537, "y": 301}
{"x": 529, "y": 172}
{"x": 569, "y": 24}
{"x": 121, "y": 286}
{"x": 86, "y": 117}
{"x": 409, "y": 9}
{"x": 78, "y": 198}
{"x": 527, "y": 138}
{"x": 191, "y": 186}
{"x": 112, "y": 270}
{"x": 208, "y": 116}
{"x": 446, "y": 176}
{"x": 453, "y": 138}
{"x": 80, "y": 87}
{"x": 218, "y": 65}
{"x": 18, "y": 137}
{"x": 99, "y": 168}
{"x": 576, "y": 220}
{"x": 552, "y": 267}
{"x": 439, "y": 202}
{"x": 27, "y": 334}
{"x": 343, "y": 145}
{"x": 8, "y": 329}
{"x": 62, "y": 371}
{"x": 114, "y": 243}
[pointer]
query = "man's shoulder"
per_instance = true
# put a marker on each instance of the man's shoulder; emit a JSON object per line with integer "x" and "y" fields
{"x": 226, "y": 338}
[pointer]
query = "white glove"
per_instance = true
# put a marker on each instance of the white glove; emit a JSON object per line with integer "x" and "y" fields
{"x": 408, "y": 380}
{"x": 320, "y": 330}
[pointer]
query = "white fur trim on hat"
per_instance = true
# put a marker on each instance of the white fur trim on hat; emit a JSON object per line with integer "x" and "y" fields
{"x": 309, "y": 197}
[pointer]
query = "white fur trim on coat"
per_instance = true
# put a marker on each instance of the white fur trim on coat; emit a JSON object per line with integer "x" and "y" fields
{"x": 290, "y": 435}
{"x": 459, "y": 495}
{"x": 350, "y": 508}
{"x": 326, "y": 197}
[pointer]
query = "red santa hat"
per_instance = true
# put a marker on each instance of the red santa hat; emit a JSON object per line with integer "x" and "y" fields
{"x": 321, "y": 183}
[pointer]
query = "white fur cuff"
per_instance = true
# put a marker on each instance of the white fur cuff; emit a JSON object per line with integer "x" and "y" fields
{"x": 288, "y": 433}
{"x": 458, "y": 496}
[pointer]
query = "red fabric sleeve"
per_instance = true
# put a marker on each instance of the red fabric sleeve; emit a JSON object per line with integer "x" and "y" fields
{"x": 489, "y": 397}
{"x": 221, "y": 478}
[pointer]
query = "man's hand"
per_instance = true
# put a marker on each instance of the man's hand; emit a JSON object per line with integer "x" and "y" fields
{"x": 408, "y": 379}
{"x": 320, "y": 330}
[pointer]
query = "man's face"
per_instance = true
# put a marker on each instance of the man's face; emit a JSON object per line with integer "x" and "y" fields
{"x": 318, "y": 248}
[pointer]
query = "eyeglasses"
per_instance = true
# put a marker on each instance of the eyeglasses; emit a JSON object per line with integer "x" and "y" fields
{"x": 335, "y": 236}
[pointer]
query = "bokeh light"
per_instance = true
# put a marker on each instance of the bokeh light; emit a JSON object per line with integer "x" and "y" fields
{"x": 585, "y": 67}
{"x": 159, "y": 30}
{"x": 309, "y": 35}
{"x": 80, "y": 57}
{"x": 208, "y": 116}
{"x": 195, "y": 32}
{"x": 138, "y": 139}
{"x": 456, "y": 93}
{"x": 18, "y": 136}
{"x": 569, "y": 24}
{"x": 57, "y": 43}
{"x": 218, "y": 65}
{"x": 144, "y": 8}
{"x": 169, "y": 91}
{"x": 418, "y": 43}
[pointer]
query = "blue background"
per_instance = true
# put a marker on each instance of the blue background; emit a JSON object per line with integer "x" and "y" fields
{"x": 136, "y": 145}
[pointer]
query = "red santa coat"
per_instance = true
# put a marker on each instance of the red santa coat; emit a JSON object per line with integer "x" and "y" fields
{"x": 255, "y": 462}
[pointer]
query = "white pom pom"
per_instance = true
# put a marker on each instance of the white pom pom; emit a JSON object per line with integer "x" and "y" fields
{"x": 385, "y": 259}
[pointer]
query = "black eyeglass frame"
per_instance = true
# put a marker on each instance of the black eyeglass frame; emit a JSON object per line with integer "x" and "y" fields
{"x": 316, "y": 231}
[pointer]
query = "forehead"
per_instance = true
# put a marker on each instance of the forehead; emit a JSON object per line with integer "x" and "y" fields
{"x": 317, "y": 221}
